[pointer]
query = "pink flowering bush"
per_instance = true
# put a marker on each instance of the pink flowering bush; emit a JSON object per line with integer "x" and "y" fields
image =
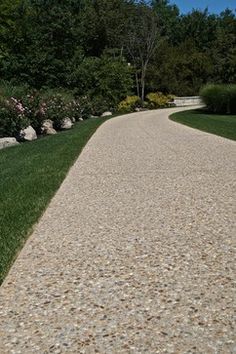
{"x": 57, "y": 108}
{"x": 35, "y": 107}
{"x": 13, "y": 117}
{"x": 54, "y": 110}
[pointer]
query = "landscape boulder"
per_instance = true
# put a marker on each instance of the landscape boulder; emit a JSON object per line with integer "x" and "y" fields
{"x": 66, "y": 123}
{"x": 47, "y": 127}
{"x": 7, "y": 142}
{"x": 28, "y": 134}
{"x": 107, "y": 114}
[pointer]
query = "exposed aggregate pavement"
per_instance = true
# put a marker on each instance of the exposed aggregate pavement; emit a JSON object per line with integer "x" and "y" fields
{"x": 136, "y": 251}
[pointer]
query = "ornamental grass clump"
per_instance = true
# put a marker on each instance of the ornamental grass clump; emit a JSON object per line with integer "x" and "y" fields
{"x": 219, "y": 98}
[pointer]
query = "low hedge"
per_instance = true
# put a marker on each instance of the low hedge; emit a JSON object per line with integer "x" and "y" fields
{"x": 220, "y": 98}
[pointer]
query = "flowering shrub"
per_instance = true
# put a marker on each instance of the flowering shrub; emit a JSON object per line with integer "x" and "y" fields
{"x": 57, "y": 108}
{"x": 73, "y": 110}
{"x": 35, "y": 109}
{"x": 93, "y": 105}
{"x": 129, "y": 104}
{"x": 54, "y": 109}
{"x": 13, "y": 117}
{"x": 158, "y": 100}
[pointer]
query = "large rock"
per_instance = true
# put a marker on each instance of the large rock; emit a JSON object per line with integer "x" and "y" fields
{"x": 7, "y": 142}
{"x": 66, "y": 123}
{"x": 28, "y": 134}
{"x": 47, "y": 127}
{"x": 107, "y": 114}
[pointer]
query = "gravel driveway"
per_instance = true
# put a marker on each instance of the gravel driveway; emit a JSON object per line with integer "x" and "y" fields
{"x": 135, "y": 252}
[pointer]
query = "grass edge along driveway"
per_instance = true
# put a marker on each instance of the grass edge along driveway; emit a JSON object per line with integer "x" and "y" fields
{"x": 222, "y": 125}
{"x": 30, "y": 175}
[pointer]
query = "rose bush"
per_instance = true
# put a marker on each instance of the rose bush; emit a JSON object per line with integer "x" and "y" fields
{"x": 13, "y": 117}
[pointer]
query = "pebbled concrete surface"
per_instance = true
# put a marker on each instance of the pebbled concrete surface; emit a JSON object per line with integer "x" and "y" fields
{"x": 135, "y": 253}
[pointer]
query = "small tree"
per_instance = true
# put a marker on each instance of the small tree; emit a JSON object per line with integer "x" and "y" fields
{"x": 141, "y": 41}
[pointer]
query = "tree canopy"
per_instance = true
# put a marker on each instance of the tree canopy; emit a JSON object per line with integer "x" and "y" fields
{"x": 84, "y": 44}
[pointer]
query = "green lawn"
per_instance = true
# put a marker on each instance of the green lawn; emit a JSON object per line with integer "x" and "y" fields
{"x": 223, "y": 125}
{"x": 30, "y": 174}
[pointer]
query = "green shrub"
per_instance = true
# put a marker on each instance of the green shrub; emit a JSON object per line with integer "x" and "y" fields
{"x": 158, "y": 100}
{"x": 99, "y": 105}
{"x": 85, "y": 106}
{"x": 8, "y": 90}
{"x": 48, "y": 93}
{"x": 12, "y": 117}
{"x": 219, "y": 98}
{"x": 104, "y": 80}
{"x": 129, "y": 104}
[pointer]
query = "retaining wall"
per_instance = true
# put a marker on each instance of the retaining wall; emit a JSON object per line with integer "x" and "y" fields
{"x": 187, "y": 101}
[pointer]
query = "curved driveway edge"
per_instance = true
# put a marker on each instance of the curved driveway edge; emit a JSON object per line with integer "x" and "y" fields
{"x": 135, "y": 252}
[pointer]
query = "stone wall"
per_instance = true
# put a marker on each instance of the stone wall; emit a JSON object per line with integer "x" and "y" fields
{"x": 187, "y": 101}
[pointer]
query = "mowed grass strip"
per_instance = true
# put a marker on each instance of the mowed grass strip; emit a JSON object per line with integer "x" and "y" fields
{"x": 222, "y": 125}
{"x": 30, "y": 174}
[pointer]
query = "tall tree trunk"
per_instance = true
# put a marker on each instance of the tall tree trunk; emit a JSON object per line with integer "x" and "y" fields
{"x": 143, "y": 77}
{"x": 137, "y": 84}
{"x": 143, "y": 88}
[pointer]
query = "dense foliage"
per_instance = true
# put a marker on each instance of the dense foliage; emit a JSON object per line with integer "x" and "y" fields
{"x": 86, "y": 46}
{"x": 220, "y": 98}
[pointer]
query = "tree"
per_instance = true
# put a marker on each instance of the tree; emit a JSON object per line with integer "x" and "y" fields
{"x": 223, "y": 50}
{"x": 141, "y": 41}
{"x": 7, "y": 22}
{"x": 168, "y": 18}
{"x": 106, "y": 77}
{"x": 180, "y": 70}
{"x": 199, "y": 27}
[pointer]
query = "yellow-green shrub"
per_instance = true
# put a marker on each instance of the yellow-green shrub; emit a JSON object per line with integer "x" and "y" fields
{"x": 129, "y": 104}
{"x": 159, "y": 100}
